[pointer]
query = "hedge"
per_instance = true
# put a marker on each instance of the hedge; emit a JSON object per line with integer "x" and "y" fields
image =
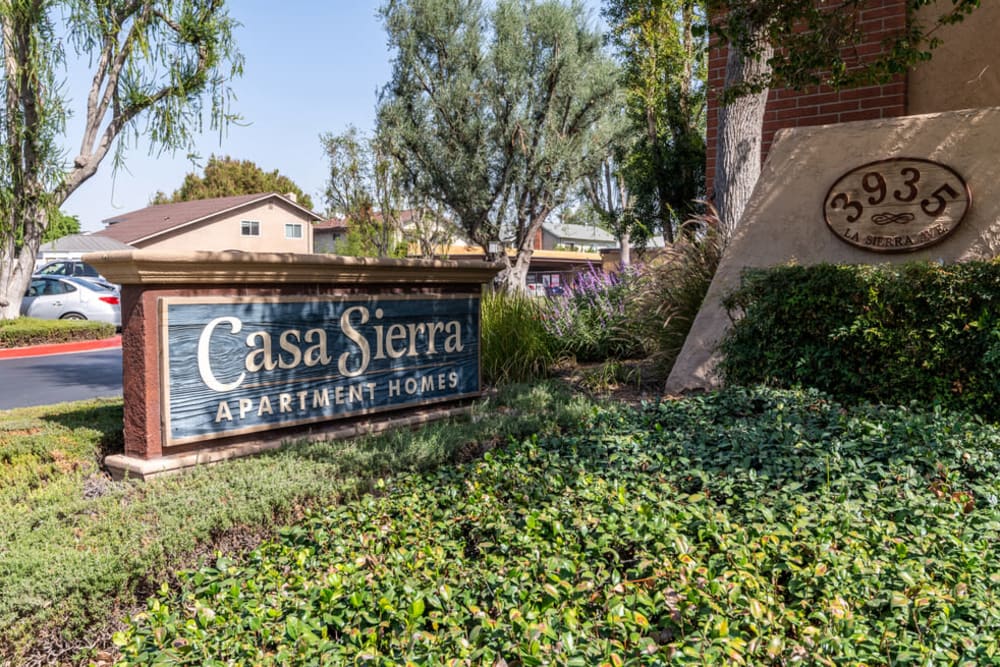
{"x": 25, "y": 331}
{"x": 919, "y": 331}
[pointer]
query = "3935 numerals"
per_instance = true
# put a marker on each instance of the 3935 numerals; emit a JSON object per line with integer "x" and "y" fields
{"x": 896, "y": 205}
{"x": 874, "y": 184}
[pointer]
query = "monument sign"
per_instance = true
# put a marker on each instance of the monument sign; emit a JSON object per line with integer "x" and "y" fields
{"x": 227, "y": 354}
{"x": 880, "y": 191}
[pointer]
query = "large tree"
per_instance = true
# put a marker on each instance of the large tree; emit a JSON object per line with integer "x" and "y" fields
{"x": 385, "y": 208}
{"x": 799, "y": 43}
{"x": 154, "y": 66}
{"x": 225, "y": 177}
{"x": 494, "y": 111}
{"x": 662, "y": 47}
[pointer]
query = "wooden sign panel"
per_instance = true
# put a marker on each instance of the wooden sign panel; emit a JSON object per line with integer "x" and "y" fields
{"x": 233, "y": 365}
{"x": 897, "y": 205}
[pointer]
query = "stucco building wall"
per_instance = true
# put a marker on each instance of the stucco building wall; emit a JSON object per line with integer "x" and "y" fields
{"x": 224, "y": 233}
{"x": 965, "y": 70}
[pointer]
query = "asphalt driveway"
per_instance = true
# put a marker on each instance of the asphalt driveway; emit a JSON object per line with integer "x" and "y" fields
{"x": 55, "y": 378}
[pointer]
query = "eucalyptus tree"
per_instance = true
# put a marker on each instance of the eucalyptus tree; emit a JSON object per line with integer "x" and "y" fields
{"x": 662, "y": 47}
{"x": 799, "y": 43}
{"x": 155, "y": 67}
{"x": 493, "y": 111}
{"x": 428, "y": 226}
{"x": 609, "y": 196}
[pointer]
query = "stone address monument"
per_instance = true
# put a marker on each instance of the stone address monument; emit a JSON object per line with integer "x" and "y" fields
{"x": 884, "y": 191}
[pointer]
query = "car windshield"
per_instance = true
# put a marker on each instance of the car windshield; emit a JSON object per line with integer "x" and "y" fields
{"x": 58, "y": 269}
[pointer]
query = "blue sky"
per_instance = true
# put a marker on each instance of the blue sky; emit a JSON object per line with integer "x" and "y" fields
{"x": 312, "y": 66}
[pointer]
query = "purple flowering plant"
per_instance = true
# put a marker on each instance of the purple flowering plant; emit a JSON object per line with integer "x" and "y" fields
{"x": 590, "y": 321}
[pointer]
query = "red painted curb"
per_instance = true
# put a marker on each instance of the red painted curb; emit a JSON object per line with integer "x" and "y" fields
{"x": 60, "y": 348}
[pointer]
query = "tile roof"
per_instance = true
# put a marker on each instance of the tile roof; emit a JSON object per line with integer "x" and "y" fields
{"x": 332, "y": 223}
{"x": 152, "y": 221}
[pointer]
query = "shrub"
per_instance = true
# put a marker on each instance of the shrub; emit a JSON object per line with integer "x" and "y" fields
{"x": 886, "y": 334}
{"x": 515, "y": 345}
{"x": 670, "y": 291}
{"x": 743, "y": 528}
{"x": 25, "y": 331}
{"x": 591, "y": 321}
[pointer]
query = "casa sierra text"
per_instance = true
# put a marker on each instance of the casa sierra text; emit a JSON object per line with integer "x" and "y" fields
{"x": 362, "y": 337}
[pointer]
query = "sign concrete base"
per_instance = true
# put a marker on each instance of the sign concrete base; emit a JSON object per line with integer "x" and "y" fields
{"x": 784, "y": 220}
{"x": 122, "y": 466}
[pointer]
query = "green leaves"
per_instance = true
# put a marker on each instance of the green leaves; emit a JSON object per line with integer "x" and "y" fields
{"x": 748, "y": 527}
{"x": 918, "y": 332}
{"x": 226, "y": 176}
{"x": 515, "y": 344}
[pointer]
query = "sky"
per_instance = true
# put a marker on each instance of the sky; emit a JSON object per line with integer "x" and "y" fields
{"x": 312, "y": 66}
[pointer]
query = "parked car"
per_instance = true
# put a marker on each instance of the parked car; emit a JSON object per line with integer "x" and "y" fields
{"x": 74, "y": 267}
{"x": 68, "y": 267}
{"x": 71, "y": 298}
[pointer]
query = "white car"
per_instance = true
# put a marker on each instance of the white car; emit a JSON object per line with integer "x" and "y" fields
{"x": 71, "y": 298}
{"x": 76, "y": 268}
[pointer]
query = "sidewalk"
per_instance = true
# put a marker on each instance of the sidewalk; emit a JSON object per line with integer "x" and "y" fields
{"x": 60, "y": 348}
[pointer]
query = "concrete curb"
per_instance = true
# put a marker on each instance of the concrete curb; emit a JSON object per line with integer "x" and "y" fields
{"x": 60, "y": 348}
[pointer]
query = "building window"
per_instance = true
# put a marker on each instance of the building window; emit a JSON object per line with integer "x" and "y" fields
{"x": 249, "y": 228}
{"x": 293, "y": 230}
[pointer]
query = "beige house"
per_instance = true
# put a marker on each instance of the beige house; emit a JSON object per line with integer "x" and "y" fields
{"x": 265, "y": 222}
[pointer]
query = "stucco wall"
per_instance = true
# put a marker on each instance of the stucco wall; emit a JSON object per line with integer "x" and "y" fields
{"x": 326, "y": 241}
{"x": 964, "y": 72}
{"x": 224, "y": 233}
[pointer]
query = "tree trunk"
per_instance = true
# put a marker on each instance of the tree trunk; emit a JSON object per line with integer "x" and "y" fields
{"x": 738, "y": 156}
{"x": 514, "y": 279}
{"x": 17, "y": 264}
{"x": 626, "y": 249}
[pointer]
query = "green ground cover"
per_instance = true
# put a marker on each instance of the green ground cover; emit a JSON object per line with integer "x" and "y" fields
{"x": 76, "y": 549}
{"x": 751, "y": 527}
{"x": 25, "y": 331}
